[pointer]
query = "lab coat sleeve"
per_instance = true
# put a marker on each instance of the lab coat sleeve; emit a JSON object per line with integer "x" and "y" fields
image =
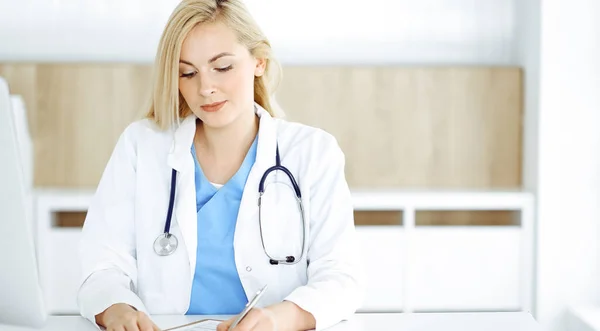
{"x": 107, "y": 247}
{"x": 335, "y": 288}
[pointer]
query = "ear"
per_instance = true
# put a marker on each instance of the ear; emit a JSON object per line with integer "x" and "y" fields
{"x": 261, "y": 65}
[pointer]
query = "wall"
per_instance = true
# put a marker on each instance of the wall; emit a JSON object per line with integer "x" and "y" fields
{"x": 527, "y": 39}
{"x": 568, "y": 182}
{"x": 431, "y": 128}
{"x": 378, "y": 31}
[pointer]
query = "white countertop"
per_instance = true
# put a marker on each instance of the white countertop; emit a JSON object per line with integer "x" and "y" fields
{"x": 583, "y": 318}
{"x": 517, "y": 321}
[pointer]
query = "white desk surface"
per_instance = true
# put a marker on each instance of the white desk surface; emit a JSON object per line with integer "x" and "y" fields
{"x": 584, "y": 318}
{"x": 517, "y": 321}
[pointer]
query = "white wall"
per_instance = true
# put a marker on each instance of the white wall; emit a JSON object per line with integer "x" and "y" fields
{"x": 302, "y": 31}
{"x": 568, "y": 177}
{"x": 527, "y": 40}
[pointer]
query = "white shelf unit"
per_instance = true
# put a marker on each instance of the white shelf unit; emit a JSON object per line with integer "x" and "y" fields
{"x": 57, "y": 247}
{"x": 408, "y": 268}
{"x": 447, "y": 268}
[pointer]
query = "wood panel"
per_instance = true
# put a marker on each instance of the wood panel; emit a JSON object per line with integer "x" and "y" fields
{"x": 66, "y": 219}
{"x": 415, "y": 127}
{"x": 401, "y": 127}
{"x": 382, "y": 217}
{"x": 77, "y": 113}
{"x": 85, "y": 108}
{"x": 22, "y": 80}
{"x": 371, "y": 218}
{"x": 467, "y": 217}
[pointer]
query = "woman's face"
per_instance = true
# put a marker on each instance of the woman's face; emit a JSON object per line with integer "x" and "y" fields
{"x": 216, "y": 74}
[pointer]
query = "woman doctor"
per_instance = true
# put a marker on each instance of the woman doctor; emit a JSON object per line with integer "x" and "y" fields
{"x": 176, "y": 226}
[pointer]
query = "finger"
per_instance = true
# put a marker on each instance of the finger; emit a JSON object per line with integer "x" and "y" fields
{"x": 266, "y": 325}
{"x": 224, "y": 326}
{"x": 267, "y": 321}
{"x": 270, "y": 320}
{"x": 250, "y": 321}
{"x": 132, "y": 325}
{"x": 144, "y": 323}
{"x": 116, "y": 328}
{"x": 155, "y": 327}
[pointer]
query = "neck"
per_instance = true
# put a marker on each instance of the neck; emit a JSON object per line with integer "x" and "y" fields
{"x": 231, "y": 141}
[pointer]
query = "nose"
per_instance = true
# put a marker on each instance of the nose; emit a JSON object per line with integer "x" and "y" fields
{"x": 206, "y": 86}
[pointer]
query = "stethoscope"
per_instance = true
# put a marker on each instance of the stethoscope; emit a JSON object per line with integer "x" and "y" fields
{"x": 166, "y": 243}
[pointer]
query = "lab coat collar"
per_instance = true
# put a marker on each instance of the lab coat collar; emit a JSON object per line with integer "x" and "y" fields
{"x": 183, "y": 137}
{"x": 267, "y": 139}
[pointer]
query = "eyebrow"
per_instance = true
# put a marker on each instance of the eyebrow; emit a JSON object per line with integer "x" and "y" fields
{"x": 212, "y": 59}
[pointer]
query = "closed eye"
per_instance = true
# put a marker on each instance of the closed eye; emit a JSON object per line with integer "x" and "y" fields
{"x": 188, "y": 75}
{"x": 224, "y": 69}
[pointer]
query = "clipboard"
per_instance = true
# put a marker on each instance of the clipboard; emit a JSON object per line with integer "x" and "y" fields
{"x": 210, "y": 324}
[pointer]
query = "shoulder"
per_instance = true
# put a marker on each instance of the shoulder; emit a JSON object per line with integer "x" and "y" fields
{"x": 140, "y": 128}
{"x": 310, "y": 141}
{"x": 144, "y": 131}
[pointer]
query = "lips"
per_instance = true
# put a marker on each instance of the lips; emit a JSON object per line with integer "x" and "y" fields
{"x": 213, "y": 107}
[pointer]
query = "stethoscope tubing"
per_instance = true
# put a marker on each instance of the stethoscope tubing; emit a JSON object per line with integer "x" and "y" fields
{"x": 289, "y": 260}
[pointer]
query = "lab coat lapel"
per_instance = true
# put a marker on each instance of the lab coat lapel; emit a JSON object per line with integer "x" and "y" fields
{"x": 267, "y": 142}
{"x": 247, "y": 221}
{"x": 181, "y": 159}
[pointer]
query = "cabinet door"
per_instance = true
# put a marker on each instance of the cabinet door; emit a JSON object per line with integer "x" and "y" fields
{"x": 60, "y": 270}
{"x": 466, "y": 268}
{"x": 383, "y": 261}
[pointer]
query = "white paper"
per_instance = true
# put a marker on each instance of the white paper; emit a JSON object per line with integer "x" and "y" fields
{"x": 207, "y": 325}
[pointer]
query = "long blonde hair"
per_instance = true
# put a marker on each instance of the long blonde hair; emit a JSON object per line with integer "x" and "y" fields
{"x": 167, "y": 105}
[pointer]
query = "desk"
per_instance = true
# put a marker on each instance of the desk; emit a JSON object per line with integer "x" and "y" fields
{"x": 583, "y": 318}
{"x": 360, "y": 322}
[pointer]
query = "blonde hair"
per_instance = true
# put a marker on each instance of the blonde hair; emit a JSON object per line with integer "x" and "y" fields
{"x": 167, "y": 105}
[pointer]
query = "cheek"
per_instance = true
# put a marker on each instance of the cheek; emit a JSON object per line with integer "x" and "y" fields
{"x": 187, "y": 88}
{"x": 242, "y": 84}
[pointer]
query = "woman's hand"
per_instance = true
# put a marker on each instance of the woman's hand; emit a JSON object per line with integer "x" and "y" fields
{"x": 122, "y": 317}
{"x": 284, "y": 316}
{"x": 257, "y": 319}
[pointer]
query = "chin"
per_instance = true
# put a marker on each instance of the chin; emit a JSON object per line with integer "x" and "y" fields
{"x": 216, "y": 120}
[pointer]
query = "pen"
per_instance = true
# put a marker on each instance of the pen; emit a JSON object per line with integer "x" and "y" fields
{"x": 248, "y": 307}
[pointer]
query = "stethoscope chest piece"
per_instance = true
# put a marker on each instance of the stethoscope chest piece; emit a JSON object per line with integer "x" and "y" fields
{"x": 165, "y": 244}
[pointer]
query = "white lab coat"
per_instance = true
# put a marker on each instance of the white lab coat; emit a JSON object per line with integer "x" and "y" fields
{"x": 130, "y": 206}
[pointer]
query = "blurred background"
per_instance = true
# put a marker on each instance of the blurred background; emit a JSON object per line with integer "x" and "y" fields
{"x": 471, "y": 130}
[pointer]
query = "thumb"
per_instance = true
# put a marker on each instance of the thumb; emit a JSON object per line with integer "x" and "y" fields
{"x": 224, "y": 326}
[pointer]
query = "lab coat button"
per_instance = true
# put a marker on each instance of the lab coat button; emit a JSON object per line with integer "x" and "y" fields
{"x": 248, "y": 269}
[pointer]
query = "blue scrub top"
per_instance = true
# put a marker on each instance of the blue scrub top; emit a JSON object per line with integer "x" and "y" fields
{"x": 216, "y": 288}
